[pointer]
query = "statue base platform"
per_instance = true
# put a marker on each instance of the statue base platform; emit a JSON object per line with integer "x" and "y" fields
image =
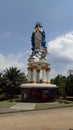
{"x": 39, "y": 92}
{"x": 38, "y": 85}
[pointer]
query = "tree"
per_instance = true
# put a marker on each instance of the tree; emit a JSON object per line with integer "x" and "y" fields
{"x": 69, "y": 86}
{"x": 1, "y": 90}
{"x": 60, "y": 81}
{"x": 12, "y": 78}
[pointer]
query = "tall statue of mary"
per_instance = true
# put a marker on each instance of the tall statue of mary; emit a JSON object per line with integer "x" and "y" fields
{"x": 38, "y": 37}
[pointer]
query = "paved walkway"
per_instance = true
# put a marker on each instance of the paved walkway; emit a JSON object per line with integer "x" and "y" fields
{"x": 24, "y": 106}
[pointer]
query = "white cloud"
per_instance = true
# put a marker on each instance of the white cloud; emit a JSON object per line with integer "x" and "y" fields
{"x": 61, "y": 54}
{"x": 19, "y": 61}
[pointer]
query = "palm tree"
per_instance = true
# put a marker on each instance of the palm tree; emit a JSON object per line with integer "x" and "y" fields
{"x": 12, "y": 78}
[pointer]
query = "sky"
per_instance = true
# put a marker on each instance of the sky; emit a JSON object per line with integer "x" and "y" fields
{"x": 17, "y": 21}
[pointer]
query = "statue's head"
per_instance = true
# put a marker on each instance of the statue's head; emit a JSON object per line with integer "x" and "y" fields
{"x": 38, "y": 25}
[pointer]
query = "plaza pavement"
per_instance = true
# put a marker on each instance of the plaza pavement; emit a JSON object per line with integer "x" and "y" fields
{"x": 24, "y": 106}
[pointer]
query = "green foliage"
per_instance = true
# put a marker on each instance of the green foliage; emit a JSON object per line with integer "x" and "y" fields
{"x": 65, "y": 85}
{"x": 67, "y": 102}
{"x": 60, "y": 81}
{"x": 69, "y": 85}
{"x": 11, "y": 80}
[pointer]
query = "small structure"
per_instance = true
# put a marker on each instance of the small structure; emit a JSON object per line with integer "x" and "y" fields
{"x": 38, "y": 86}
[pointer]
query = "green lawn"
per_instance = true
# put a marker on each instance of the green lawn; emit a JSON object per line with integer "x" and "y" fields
{"x": 6, "y": 104}
{"x": 47, "y": 105}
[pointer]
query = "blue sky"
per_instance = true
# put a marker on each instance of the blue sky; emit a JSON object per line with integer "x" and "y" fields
{"x": 17, "y": 21}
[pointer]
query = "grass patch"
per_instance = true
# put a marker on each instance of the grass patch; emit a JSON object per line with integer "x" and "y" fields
{"x": 6, "y": 104}
{"x": 47, "y": 105}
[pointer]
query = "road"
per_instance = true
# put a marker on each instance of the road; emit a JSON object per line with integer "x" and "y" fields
{"x": 51, "y": 119}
